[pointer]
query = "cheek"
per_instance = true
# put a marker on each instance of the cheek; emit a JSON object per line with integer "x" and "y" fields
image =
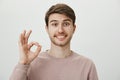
{"x": 70, "y": 31}
{"x": 51, "y": 32}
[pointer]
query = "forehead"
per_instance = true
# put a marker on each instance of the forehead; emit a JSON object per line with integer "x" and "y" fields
{"x": 58, "y": 17}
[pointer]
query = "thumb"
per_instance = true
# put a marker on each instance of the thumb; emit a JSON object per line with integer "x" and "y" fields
{"x": 38, "y": 49}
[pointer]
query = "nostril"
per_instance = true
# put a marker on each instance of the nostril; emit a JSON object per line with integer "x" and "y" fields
{"x": 60, "y": 29}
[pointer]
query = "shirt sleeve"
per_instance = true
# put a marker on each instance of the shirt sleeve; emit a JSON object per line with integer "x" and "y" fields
{"x": 93, "y": 73}
{"x": 20, "y": 72}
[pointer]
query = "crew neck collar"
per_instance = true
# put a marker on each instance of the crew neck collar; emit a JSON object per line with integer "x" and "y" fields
{"x": 71, "y": 54}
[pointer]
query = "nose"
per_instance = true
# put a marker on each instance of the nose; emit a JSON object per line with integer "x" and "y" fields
{"x": 60, "y": 29}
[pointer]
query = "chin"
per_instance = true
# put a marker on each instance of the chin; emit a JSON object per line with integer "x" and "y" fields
{"x": 64, "y": 43}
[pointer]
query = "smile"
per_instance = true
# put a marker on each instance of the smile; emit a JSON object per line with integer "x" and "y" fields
{"x": 61, "y": 37}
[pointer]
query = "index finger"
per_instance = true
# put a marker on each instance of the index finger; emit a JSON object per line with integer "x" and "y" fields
{"x": 27, "y": 36}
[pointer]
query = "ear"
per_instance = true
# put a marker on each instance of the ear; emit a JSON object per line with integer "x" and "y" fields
{"x": 46, "y": 27}
{"x": 74, "y": 28}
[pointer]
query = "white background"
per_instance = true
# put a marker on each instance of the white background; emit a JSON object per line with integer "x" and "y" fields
{"x": 97, "y": 34}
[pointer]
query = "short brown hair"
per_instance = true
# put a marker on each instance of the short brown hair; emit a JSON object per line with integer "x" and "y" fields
{"x": 61, "y": 9}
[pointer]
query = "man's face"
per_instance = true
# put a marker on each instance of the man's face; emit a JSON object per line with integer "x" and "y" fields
{"x": 60, "y": 29}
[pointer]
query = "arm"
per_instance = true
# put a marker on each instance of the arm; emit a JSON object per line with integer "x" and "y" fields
{"x": 20, "y": 72}
{"x": 26, "y": 57}
{"x": 93, "y": 73}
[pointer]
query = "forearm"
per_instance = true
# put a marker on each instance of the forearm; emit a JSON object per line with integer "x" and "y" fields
{"x": 20, "y": 72}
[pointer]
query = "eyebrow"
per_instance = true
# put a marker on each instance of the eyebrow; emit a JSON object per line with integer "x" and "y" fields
{"x": 67, "y": 20}
{"x": 53, "y": 21}
{"x": 63, "y": 20}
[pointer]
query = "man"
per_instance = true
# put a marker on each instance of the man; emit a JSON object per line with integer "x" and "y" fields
{"x": 59, "y": 62}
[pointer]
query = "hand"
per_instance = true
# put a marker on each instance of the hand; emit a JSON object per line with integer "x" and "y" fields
{"x": 26, "y": 55}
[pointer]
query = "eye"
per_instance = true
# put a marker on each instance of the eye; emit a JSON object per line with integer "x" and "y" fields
{"x": 66, "y": 24}
{"x": 54, "y": 24}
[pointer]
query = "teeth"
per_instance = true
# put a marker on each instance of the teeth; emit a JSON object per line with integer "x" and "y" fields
{"x": 60, "y": 37}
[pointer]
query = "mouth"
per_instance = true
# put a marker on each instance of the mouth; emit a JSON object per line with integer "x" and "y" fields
{"x": 61, "y": 37}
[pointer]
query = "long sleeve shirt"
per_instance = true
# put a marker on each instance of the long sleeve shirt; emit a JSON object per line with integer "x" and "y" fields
{"x": 47, "y": 67}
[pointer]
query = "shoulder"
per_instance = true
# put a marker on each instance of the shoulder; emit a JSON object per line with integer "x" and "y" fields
{"x": 82, "y": 59}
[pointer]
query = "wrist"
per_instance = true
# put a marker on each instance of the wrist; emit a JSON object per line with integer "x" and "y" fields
{"x": 23, "y": 62}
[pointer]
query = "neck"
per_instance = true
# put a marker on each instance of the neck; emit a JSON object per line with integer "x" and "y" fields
{"x": 60, "y": 51}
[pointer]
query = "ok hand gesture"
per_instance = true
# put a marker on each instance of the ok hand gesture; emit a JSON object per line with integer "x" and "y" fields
{"x": 26, "y": 55}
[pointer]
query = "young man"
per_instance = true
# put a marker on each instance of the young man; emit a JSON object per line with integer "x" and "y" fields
{"x": 59, "y": 62}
